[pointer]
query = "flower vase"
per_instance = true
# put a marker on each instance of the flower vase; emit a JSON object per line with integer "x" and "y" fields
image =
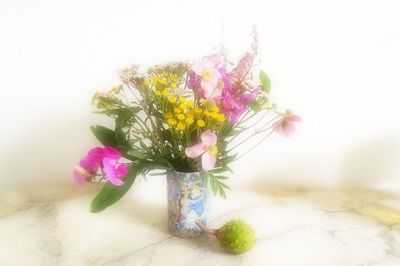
{"x": 188, "y": 202}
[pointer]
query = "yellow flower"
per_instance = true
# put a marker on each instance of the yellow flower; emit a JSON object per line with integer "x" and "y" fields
{"x": 173, "y": 85}
{"x": 190, "y": 104}
{"x": 214, "y": 109}
{"x": 171, "y": 121}
{"x": 183, "y": 106}
{"x": 197, "y": 110}
{"x": 181, "y": 116}
{"x": 207, "y": 113}
{"x": 157, "y": 92}
{"x": 177, "y": 110}
{"x": 213, "y": 115}
{"x": 204, "y": 101}
{"x": 169, "y": 115}
{"x": 174, "y": 78}
{"x": 189, "y": 120}
{"x": 220, "y": 117}
{"x": 162, "y": 81}
{"x": 200, "y": 123}
{"x": 181, "y": 126}
{"x": 165, "y": 74}
{"x": 155, "y": 80}
{"x": 191, "y": 113}
{"x": 165, "y": 93}
{"x": 146, "y": 83}
{"x": 172, "y": 99}
{"x": 182, "y": 99}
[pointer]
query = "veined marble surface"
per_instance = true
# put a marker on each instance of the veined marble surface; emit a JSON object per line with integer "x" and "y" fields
{"x": 53, "y": 226}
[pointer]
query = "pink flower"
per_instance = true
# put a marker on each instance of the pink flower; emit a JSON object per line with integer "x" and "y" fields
{"x": 194, "y": 80}
{"x": 231, "y": 106}
{"x": 107, "y": 159}
{"x": 207, "y": 149}
{"x": 287, "y": 125}
{"x": 235, "y": 97}
{"x": 243, "y": 67}
{"x": 206, "y": 69}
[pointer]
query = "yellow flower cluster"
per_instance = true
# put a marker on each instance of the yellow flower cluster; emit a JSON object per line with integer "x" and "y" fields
{"x": 185, "y": 115}
{"x": 164, "y": 83}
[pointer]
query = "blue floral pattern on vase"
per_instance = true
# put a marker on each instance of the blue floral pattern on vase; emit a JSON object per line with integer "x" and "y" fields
{"x": 188, "y": 196}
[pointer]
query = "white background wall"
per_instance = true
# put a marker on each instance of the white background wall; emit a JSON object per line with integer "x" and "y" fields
{"x": 336, "y": 63}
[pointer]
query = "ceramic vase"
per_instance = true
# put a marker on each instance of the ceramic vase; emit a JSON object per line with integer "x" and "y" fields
{"x": 188, "y": 202}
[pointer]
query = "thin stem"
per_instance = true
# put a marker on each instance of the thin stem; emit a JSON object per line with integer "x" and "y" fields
{"x": 258, "y": 143}
{"x": 256, "y": 132}
{"x": 206, "y": 230}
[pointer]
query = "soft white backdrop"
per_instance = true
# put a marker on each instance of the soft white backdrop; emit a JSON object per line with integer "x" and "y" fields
{"x": 336, "y": 63}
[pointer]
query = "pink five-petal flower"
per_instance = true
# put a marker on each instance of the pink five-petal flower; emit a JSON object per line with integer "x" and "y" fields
{"x": 287, "y": 125}
{"x": 210, "y": 76}
{"x": 207, "y": 149}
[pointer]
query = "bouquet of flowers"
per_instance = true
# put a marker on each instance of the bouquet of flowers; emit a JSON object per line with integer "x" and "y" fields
{"x": 183, "y": 116}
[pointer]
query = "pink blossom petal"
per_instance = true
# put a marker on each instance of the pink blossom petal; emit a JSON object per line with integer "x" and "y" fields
{"x": 198, "y": 67}
{"x": 216, "y": 75}
{"x": 122, "y": 170}
{"x": 79, "y": 178}
{"x": 90, "y": 164}
{"x": 208, "y": 88}
{"x": 288, "y": 130}
{"x": 208, "y": 161}
{"x": 211, "y": 91}
{"x": 243, "y": 66}
{"x": 294, "y": 118}
{"x": 195, "y": 150}
{"x": 214, "y": 59}
{"x": 286, "y": 126}
{"x": 95, "y": 154}
{"x": 208, "y": 138}
{"x": 110, "y": 168}
{"x": 111, "y": 152}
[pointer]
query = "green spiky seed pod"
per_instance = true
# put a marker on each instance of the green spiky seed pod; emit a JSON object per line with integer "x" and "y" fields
{"x": 236, "y": 236}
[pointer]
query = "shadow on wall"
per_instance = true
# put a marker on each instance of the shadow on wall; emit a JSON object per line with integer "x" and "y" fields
{"x": 372, "y": 163}
{"x": 47, "y": 152}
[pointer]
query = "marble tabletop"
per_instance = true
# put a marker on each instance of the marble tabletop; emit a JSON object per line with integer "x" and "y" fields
{"x": 52, "y": 225}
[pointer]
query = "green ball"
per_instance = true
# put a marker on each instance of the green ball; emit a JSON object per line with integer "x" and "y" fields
{"x": 236, "y": 236}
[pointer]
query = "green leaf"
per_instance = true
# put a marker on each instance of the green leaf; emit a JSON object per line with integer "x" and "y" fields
{"x": 206, "y": 180}
{"x": 221, "y": 177}
{"x": 222, "y": 192}
{"x": 221, "y": 184}
{"x": 228, "y": 159}
{"x": 142, "y": 144}
{"x": 233, "y": 133}
{"x": 110, "y": 193}
{"x": 214, "y": 187}
{"x": 123, "y": 117}
{"x": 105, "y": 135}
{"x": 120, "y": 136}
{"x": 265, "y": 81}
{"x": 156, "y": 164}
{"x": 137, "y": 154}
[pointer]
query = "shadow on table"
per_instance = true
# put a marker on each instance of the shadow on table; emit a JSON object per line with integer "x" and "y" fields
{"x": 155, "y": 216}
{"x": 363, "y": 166}
{"x": 380, "y": 206}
